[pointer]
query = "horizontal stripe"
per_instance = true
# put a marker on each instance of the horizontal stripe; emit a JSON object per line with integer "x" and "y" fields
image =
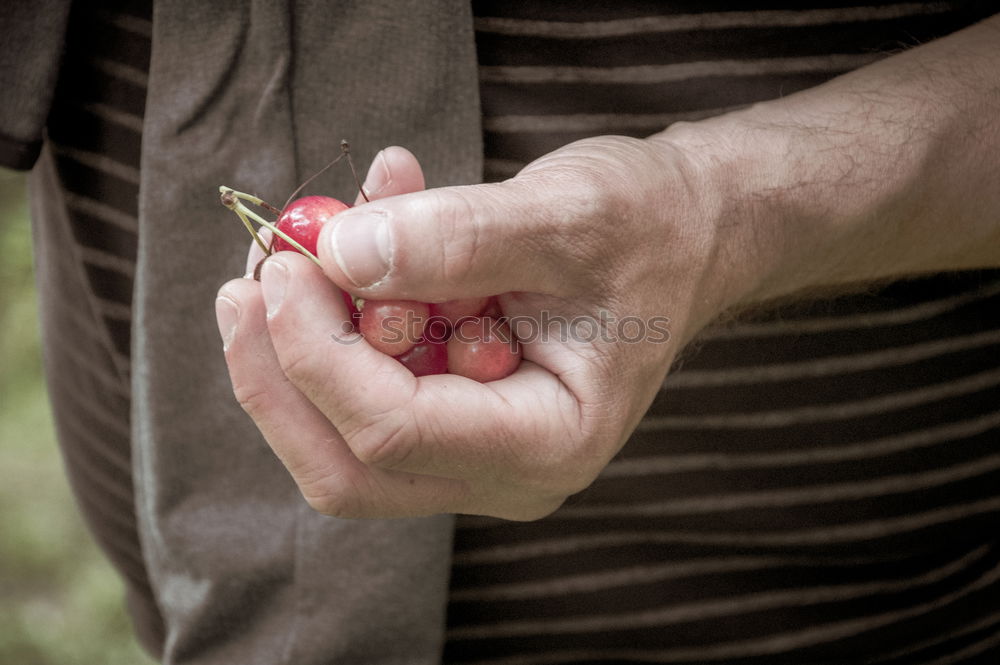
{"x": 967, "y": 652}
{"x": 94, "y": 406}
{"x": 89, "y": 443}
{"x": 647, "y": 74}
{"x": 636, "y": 575}
{"x": 119, "y": 325}
{"x": 113, "y": 115}
{"x": 764, "y": 646}
{"x": 827, "y": 412}
{"x": 596, "y": 122}
{"x": 82, "y": 85}
{"x": 113, "y": 477}
{"x": 101, "y": 211}
{"x": 786, "y": 498}
{"x": 113, "y": 376}
{"x": 824, "y": 367}
{"x": 109, "y": 190}
{"x": 499, "y": 99}
{"x": 712, "y": 609}
{"x": 986, "y": 622}
{"x": 706, "y": 21}
{"x": 892, "y": 317}
{"x": 94, "y": 233}
{"x": 114, "y": 310}
{"x": 109, "y": 377}
{"x": 120, "y": 70}
{"x": 108, "y": 284}
{"x": 85, "y": 131}
{"x": 108, "y": 261}
{"x": 127, "y": 22}
{"x": 827, "y": 535}
{"x": 868, "y": 449}
{"x": 99, "y": 162}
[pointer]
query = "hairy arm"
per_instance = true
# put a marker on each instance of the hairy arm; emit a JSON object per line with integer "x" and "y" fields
{"x": 890, "y": 170}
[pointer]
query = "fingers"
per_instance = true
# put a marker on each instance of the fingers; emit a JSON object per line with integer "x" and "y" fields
{"x": 520, "y": 429}
{"x": 393, "y": 171}
{"x": 317, "y": 347}
{"x": 330, "y": 477}
{"x": 458, "y": 242}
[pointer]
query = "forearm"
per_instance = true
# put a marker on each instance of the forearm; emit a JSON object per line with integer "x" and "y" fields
{"x": 890, "y": 170}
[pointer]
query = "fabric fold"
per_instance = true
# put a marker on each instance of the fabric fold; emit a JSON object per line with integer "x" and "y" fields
{"x": 254, "y": 96}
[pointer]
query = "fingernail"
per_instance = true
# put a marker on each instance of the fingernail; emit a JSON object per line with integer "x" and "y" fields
{"x": 227, "y": 315}
{"x": 378, "y": 177}
{"x": 273, "y": 281}
{"x": 360, "y": 245}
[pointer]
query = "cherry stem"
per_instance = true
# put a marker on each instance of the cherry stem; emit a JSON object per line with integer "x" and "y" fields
{"x": 345, "y": 149}
{"x": 278, "y": 232}
{"x": 231, "y": 199}
{"x": 309, "y": 180}
{"x": 260, "y": 241}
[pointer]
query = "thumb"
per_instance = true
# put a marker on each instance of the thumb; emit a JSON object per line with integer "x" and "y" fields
{"x": 447, "y": 243}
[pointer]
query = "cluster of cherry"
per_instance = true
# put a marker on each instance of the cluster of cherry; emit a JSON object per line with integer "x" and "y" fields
{"x": 467, "y": 337}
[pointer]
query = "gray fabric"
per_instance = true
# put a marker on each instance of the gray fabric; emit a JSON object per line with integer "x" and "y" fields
{"x": 31, "y": 42}
{"x": 257, "y": 95}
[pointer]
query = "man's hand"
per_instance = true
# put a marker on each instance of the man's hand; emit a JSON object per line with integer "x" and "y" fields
{"x": 604, "y": 240}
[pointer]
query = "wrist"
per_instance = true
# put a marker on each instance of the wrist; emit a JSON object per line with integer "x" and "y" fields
{"x": 737, "y": 169}
{"x": 810, "y": 195}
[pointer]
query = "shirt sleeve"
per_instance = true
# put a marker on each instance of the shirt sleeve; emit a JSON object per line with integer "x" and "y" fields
{"x": 29, "y": 66}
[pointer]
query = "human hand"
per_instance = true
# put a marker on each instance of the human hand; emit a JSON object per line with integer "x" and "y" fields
{"x": 609, "y": 233}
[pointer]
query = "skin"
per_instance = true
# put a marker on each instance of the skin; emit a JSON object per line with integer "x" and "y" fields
{"x": 888, "y": 171}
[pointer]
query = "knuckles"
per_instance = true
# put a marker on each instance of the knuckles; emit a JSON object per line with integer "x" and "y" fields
{"x": 345, "y": 492}
{"x": 383, "y": 441}
{"x": 255, "y": 399}
{"x": 301, "y": 365}
{"x": 334, "y": 501}
{"x": 462, "y": 237}
{"x": 560, "y": 475}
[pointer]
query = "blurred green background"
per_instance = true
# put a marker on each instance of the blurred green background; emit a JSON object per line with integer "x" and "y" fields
{"x": 60, "y": 602}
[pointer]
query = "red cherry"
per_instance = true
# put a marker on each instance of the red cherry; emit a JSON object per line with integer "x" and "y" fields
{"x": 393, "y": 326}
{"x": 454, "y": 311}
{"x": 426, "y": 358}
{"x": 483, "y": 349}
{"x": 304, "y": 218}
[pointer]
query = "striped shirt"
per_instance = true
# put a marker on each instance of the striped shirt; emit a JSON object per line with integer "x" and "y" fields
{"x": 814, "y": 484}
